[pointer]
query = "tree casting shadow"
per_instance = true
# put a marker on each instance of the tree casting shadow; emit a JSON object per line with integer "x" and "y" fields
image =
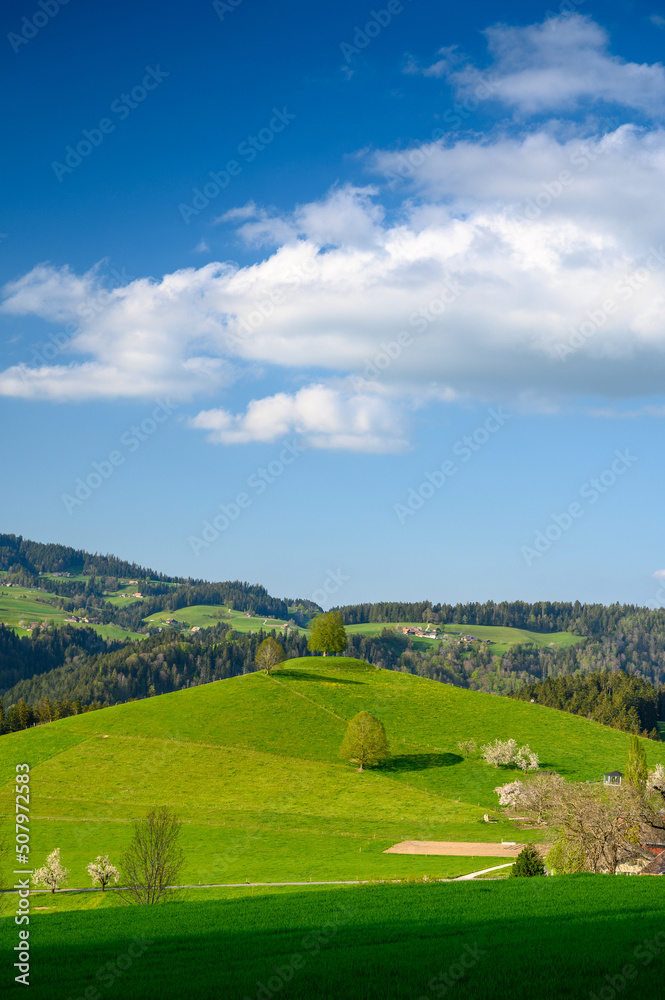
{"x": 302, "y": 675}
{"x": 421, "y": 761}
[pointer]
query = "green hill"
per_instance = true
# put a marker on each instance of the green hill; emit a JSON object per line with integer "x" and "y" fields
{"x": 251, "y": 765}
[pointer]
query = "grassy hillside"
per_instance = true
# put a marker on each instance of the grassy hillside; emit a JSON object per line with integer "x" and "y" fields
{"x": 523, "y": 938}
{"x": 251, "y": 765}
{"x": 501, "y": 638}
{"x": 206, "y": 615}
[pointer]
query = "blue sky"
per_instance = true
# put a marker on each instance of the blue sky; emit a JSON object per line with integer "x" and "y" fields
{"x": 357, "y": 301}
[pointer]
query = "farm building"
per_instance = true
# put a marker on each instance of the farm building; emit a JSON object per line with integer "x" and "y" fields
{"x": 655, "y": 867}
{"x": 612, "y": 778}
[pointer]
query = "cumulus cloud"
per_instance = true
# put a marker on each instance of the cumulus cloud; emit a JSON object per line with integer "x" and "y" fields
{"x": 525, "y": 267}
{"x": 324, "y": 417}
{"x": 559, "y": 64}
{"x": 659, "y": 574}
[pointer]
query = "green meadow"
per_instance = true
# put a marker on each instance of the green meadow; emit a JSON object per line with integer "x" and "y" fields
{"x": 251, "y": 765}
{"x": 574, "y": 936}
{"x": 500, "y": 637}
{"x": 23, "y": 604}
{"x": 207, "y": 615}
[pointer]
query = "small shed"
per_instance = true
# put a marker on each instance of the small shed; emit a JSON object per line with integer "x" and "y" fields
{"x": 612, "y": 778}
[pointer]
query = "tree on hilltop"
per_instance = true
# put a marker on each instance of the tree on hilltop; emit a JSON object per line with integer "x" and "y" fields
{"x": 328, "y": 634}
{"x": 365, "y": 741}
{"x": 269, "y": 654}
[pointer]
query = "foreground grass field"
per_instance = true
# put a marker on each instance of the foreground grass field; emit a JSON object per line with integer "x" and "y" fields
{"x": 519, "y": 939}
{"x": 251, "y": 765}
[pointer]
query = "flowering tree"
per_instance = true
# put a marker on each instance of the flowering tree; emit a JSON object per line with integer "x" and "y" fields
{"x": 52, "y": 875}
{"x": 499, "y": 752}
{"x": 510, "y": 795}
{"x": 102, "y": 872}
{"x": 467, "y": 746}
{"x": 526, "y": 759}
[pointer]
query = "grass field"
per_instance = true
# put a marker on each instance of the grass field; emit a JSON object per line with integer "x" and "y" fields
{"x": 23, "y": 604}
{"x": 251, "y": 766}
{"x": 501, "y": 638}
{"x": 206, "y": 615}
{"x": 519, "y": 938}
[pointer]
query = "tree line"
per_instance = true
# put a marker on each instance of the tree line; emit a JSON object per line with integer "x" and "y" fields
{"x": 616, "y": 699}
{"x": 541, "y": 616}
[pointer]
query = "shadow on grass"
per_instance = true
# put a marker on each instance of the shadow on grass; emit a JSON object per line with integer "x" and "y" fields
{"x": 420, "y": 761}
{"x": 302, "y": 675}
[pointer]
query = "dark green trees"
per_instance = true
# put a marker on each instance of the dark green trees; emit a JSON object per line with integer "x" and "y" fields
{"x": 529, "y": 863}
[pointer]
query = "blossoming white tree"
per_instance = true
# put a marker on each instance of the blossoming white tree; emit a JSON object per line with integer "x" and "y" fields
{"x": 102, "y": 872}
{"x": 52, "y": 875}
{"x": 499, "y": 752}
{"x": 527, "y": 759}
{"x": 510, "y": 795}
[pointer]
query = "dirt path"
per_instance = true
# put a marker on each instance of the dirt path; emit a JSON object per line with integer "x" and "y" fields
{"x": 455, "y": 848}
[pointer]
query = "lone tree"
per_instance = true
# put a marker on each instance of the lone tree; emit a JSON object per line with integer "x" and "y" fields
{"x": 328, "y": 634}
{"x": 467, "y": 747}
{"x": 153, "y": 860}
{"x": 52, "y": 875}
{"x": 365, "y": 741}
{"x": 528, "y": 863}
{"x": 269, "y": 654}
{"x": 636, "y": 765}
{"x": 102, "y": 872}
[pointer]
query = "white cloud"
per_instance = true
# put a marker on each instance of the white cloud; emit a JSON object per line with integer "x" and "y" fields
{"x": 659, "y": 574}
{"x": 560, "y": 64}
{"x": 202, "y": 246}
{"x": 322, "y": 416}
{"x": 504, "y": 249}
